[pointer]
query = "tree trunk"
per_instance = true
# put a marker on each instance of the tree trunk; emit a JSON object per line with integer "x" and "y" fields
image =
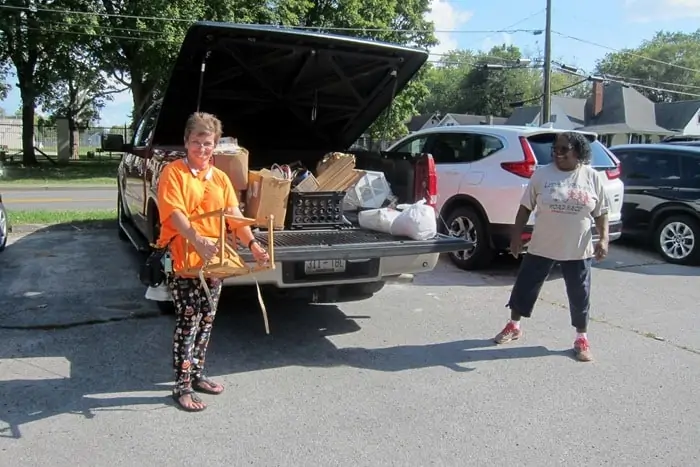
{"x": 73, "y": 139}
{"x": 28, "y": 155}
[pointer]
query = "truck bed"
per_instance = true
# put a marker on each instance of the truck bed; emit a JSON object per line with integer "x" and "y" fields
{"x": 350, "y": 243}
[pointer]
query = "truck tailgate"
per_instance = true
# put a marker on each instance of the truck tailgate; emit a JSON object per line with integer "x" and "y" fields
{"x": 352, "y": 244}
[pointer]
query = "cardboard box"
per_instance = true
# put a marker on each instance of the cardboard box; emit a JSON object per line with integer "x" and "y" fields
{"x": 234, "y": 162}
{"x": 266, "y": 195}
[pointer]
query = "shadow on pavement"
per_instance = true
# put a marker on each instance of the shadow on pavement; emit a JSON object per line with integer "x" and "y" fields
{"x": 122, "y": 361}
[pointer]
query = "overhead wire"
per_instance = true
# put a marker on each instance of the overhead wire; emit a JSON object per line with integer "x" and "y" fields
{"x": 324, "y": 28}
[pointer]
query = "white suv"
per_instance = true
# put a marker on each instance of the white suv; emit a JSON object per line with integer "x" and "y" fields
{"x": 482, "y": 173}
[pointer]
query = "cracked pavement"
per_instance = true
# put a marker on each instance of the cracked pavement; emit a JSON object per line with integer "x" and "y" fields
{"x": 409, "y": 377}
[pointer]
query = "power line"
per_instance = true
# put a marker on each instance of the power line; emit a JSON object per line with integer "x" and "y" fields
{"x": 633, "y": 85}
{"x": 651, "y": 80}
{"x": 325, "y": 28}
{"x": 634, "y": 54}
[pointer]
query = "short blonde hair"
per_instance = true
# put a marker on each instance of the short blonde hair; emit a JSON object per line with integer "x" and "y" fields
{"x": 202, "y": 122}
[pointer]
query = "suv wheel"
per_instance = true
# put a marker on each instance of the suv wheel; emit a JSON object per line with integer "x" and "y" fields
{"x": 677, "y": 239}
{"x": 465, "y": 222}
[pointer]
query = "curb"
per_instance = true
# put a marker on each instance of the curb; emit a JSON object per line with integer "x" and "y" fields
{"x": 8, "y": 188}
{"x": 73, "y": 226}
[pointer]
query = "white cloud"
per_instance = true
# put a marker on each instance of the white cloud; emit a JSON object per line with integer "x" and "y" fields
{"x": 500, "y": 39}
{"x": 446, "y": 17}
{"x": 644, "y": 11}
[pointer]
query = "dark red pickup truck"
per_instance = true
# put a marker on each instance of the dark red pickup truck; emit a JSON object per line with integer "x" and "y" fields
{"x": 287, "y": 96}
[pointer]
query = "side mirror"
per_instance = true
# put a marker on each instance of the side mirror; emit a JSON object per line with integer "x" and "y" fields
{"x": 113, "y": 143}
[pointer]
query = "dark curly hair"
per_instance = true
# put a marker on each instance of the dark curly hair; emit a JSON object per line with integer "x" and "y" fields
{"x": 580, "y": 146}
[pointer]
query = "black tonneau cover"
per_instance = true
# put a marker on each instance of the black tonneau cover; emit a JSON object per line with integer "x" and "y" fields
{"x": 284, "y": 89}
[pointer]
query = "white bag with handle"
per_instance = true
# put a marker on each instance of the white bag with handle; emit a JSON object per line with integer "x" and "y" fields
{"x": 417, "y": 222}
{"x": 378, "y": 220}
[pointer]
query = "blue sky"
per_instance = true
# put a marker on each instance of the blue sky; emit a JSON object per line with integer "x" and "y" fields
{"x": 615, "y": 24}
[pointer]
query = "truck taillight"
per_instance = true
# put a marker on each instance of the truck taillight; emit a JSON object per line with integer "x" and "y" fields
{"x": 425, "y": 180}
{"x": 527, "y": 166}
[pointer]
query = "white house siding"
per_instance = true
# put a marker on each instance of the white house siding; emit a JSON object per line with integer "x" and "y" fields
{"x": 693, "y": 126}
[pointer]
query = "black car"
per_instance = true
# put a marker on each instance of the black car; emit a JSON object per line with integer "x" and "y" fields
{"x": 662, "y": 197}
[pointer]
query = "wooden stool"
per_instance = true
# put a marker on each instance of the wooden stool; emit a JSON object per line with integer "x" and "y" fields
{"x": 228, "y": 262}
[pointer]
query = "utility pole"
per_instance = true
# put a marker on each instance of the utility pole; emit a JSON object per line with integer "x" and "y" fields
{"x": 547, "y": 91}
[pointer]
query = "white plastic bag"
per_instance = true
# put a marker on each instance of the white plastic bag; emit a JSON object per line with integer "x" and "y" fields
{"x": 417, "y": 222}
{"x": 379, "y": 220}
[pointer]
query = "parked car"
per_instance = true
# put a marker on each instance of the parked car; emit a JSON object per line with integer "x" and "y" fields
{"x": 326, "y": 90}
{"x": 4, "y": 225}
{"x": 482, "y": 172}
{"x": 662, "y": 198}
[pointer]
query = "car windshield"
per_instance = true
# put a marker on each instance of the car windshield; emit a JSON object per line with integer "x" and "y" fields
{"x": 542, "y": 146}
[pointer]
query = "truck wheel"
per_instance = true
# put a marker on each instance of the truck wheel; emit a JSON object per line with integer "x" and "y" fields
{"x": 677, "y": 239}
{"x": 465, "y": 222}
{"x": 122, "y": 218}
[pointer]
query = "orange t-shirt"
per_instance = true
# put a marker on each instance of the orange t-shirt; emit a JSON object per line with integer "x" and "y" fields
{"x": 192, "y": 193}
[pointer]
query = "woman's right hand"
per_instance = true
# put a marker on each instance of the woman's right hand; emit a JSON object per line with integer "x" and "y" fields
{"x": 206, "y": 248}
{"x": 516, "y": 245}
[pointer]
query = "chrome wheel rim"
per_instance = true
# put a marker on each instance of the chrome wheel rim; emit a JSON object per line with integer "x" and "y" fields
{"x": 463, "y": 227}
{"x": 677, "y": 240}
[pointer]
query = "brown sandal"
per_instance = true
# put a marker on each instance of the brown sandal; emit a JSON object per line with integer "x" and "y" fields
{"x": 177, "y": 395}
{"x": 207, "y": 386}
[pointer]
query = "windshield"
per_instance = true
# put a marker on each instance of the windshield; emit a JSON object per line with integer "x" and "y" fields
{"x": 542, "y": 147}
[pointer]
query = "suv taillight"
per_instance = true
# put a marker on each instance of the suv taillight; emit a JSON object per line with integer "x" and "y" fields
{"x": 425, "y": 180}
{"x": 526, "y": 167}
{"x": 616, "y": 171}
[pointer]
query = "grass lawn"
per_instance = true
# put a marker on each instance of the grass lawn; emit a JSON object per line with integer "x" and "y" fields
{"x": 60, "y": 217}
{"x": 80, "y": 172}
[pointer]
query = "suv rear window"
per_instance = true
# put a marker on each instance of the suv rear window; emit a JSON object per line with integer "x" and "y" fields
{"x": 542, "y": 147}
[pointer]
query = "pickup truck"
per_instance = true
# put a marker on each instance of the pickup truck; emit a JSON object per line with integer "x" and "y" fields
{"x": 287, "y": 96}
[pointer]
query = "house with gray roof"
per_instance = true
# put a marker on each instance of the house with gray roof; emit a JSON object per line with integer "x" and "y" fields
{"x": 682, "y": 117}
{"x": 567, "y": 113}
{"x": 620, "y": 114}
{"x": 617, "y": 113}
{"x": 422, "y": 121}
{"x": 468, "y": 119}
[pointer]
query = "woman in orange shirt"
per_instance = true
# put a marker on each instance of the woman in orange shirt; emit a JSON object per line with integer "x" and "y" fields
{"x": 188, "y": 187}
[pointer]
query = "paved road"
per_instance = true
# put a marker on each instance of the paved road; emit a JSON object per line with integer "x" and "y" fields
{"x": 409, "y": 377}
{"x": 55, "y": 200}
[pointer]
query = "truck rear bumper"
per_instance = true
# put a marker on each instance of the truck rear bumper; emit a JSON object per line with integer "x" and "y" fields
{"x": 291, "y": 274}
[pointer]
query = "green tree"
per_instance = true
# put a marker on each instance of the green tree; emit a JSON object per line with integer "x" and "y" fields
{"x": 491, "y": 91}
{"x": 138, "y": 41}
{"x": 443, "y": 81}
{"x": 681, "y": 50}
{"x": 31, "y": 37}
{"x": 386, "y": 20}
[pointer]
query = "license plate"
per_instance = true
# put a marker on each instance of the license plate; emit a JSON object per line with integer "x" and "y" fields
{"x": 325, "y": 266}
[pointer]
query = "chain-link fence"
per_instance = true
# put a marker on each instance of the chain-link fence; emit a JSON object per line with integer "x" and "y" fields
{"x": 46, "y": 138}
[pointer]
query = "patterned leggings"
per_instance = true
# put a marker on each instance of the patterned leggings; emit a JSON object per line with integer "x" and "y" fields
{"x": 195, "y": 318}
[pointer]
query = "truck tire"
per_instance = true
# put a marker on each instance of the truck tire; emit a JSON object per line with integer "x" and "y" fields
{"x": 677, "y": 239}
{"x": 466, "y": 222}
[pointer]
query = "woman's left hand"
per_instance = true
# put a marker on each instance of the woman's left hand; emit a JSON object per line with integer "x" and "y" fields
{"x": 601, "y": 250}
{"x": 259, "y": 253}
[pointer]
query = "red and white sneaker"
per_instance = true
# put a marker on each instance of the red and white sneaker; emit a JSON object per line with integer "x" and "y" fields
{"x": 583, "y": 350}
{"x": 509, "y": 333}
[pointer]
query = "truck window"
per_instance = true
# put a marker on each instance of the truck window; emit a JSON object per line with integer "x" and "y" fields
{"x": 142, "y": 136}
